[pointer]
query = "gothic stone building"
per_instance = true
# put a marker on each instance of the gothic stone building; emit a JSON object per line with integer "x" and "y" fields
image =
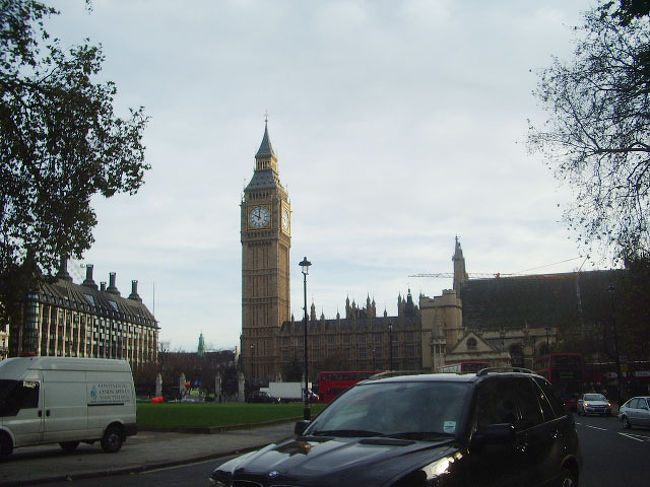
{"x": 502, "y": 320}
{"x": 65, "y": 319}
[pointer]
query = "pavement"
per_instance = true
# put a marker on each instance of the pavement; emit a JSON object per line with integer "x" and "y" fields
{"x": 147, "y": 450}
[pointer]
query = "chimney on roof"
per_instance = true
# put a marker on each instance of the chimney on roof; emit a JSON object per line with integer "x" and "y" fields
{"x": 112, "y": 289}
{"x": 134, "y": 292}
{"x": 102, "y": 286}
{"x": 88, "y": 282}
{"x": 63, "y": 269}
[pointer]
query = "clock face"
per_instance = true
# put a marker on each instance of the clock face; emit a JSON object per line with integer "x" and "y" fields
{"x": 285, "y": 218}
{"x": 259, "y": 217}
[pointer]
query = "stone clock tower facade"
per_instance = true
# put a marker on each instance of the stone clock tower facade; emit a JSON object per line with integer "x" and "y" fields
{"x": 266, "y": 244}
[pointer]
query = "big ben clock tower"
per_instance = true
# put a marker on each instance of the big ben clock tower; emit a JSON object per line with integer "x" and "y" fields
{"x": 266, "y": 243}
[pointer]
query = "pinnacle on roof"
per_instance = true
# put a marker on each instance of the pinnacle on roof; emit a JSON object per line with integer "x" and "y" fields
{"x": 266, "y": 149}
{"x": 458, "y": 251}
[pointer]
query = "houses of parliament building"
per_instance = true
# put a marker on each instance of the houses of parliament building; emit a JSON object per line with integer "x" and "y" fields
{"x": 501, "y": 321}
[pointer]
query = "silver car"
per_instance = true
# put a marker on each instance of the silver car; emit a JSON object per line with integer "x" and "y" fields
{"x": 635, "y": 412}
{"x": 593, "y": 403}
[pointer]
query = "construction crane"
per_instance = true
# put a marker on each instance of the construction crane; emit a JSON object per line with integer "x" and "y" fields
{"x": 497, "y": 275}
{"x": 451, "y": 275}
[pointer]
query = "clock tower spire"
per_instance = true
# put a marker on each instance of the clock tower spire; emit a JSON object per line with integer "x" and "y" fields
{"x": 266, "y": 244}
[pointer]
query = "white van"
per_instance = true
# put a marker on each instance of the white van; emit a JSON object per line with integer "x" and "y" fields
{"x": 65, "y": 400}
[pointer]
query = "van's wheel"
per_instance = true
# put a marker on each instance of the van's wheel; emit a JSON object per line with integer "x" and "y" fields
{"x": 6, "y": 445}
{"x": 69, "y": 446}
{"x": 626, "y": 422}
{"x": 112, "y": 440}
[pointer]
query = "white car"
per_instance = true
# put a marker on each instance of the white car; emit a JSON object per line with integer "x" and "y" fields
{"x": 635, "y": 412}
{"x": 593, "y": 403}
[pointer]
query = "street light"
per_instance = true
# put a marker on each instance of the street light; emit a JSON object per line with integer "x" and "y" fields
{"x": 305, "y": 270}
{"x": 548, "y": 345}
{"x": 390, "y": 345}
{"x": 612, "y": 295}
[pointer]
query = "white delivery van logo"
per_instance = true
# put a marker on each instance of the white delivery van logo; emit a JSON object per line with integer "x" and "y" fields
{"x": 105, "y": 393}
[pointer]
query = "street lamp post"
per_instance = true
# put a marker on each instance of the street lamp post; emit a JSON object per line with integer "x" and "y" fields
{"x": 612, "y": 296}
{"x": 390, "y": 345}
{"x": 548, "y": 345}
{"x": 305, "y": 270}
{"x": 252, "y": 362}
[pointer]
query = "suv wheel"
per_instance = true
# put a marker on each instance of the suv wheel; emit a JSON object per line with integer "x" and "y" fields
{"x": 567, "y": 479}
{"x": 626, "y": 422}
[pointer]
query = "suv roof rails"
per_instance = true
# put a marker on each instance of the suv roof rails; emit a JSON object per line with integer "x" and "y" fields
{"x": 394, "y": 373}
{"x": 489, "y": 370}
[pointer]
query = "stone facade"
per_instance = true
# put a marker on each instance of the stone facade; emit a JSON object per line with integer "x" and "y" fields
{"x": 65, "y": 319}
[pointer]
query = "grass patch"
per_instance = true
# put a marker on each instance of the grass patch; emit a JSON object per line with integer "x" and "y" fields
{"x": 196, "y": 415}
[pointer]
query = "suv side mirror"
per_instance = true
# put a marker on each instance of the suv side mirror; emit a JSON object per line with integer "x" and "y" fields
{"x": 301, "y": 426}
{"x": 495, "y": 434}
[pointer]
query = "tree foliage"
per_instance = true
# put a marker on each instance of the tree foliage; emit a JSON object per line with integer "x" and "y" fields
{"x": 597, "y": 136}
{"x": 60, "y": 144}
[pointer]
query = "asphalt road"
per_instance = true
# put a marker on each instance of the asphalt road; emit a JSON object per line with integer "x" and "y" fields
{"x": 613, "y": 457}
{"x": 194, "y": 474}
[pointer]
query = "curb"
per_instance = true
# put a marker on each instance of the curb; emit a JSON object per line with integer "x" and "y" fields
{"x": 134, "y": 469}
{"x": 206, "y": 430}
{"x": 126, "y": 470}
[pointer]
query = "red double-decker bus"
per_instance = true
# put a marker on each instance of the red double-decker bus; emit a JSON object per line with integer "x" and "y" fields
{"x": 566, "y": 372}
{"x": 333, "y": 383}
{"x": 635, "y": 378}
{"x": 467, "y": 367}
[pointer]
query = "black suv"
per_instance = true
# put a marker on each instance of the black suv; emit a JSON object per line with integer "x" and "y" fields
{"x": 499, "y": 427}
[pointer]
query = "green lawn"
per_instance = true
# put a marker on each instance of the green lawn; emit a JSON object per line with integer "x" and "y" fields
{"x": 196, "y": 415}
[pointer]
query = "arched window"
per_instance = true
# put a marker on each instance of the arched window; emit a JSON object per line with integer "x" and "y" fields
{"x": 471, "y": 343}
{"x": 516, "y": 351}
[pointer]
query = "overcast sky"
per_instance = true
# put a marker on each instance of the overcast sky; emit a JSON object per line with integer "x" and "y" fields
{"x": 397, "y": 124}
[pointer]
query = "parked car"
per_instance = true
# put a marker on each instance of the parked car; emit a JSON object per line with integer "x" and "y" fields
{"x": 635, "y": 412}
{"x": 262, "y": 396}
{"x": 493, "y": 428}
{"x": 593, "y": 403}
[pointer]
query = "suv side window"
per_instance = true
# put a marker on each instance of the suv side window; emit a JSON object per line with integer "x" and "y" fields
{"x": 496, "y": 403}
{"x": 530, "y": 411}
{"x": 548, "y": 397}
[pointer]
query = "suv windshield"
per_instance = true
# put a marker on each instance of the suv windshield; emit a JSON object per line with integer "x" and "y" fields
{"x": 411, "y": 410}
